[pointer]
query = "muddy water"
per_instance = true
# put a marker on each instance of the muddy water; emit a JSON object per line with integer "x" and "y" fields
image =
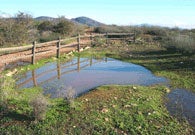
{"x": 83, "y": 74}
{"x": 181, "y": 103}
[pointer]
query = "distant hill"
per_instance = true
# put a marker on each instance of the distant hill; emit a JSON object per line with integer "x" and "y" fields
{"x": 79, "y": 20}
{"x": 44, "y": 18}
{"x": 87, "y": 21}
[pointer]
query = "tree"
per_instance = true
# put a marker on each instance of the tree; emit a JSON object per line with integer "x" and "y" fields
{"x": 16, "y": 30}
{"x": 64, "y": 27}
{"x": 45, "y": 26}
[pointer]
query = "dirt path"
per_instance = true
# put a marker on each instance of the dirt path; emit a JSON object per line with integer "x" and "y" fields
{"x": 43, "y": 52}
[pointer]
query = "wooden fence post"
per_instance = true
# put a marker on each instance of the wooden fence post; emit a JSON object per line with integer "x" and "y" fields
{"x": 58, "y": 48}
{"x": 33, "y": 52}
{"x": 134, "y": 36}
{"x": 106, "y": 37}
{"x": 78, "y": 40}
{"x": 91, "y": 39}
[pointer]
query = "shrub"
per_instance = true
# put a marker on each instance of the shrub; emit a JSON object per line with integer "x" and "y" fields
{"x": 6, "y": 92}
{"x": 39, "y": 105}
{"x": 64, "y": 27}
{"x": 45, "y": 26}
{"x": 182, "y": 43}
{"x": 68, "y": 94}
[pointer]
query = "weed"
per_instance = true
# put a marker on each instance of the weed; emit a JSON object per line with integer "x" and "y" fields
{"x": 39, "y": 105}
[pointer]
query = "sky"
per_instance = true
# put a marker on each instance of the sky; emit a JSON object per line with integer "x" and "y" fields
{"x": 171, "y": 13}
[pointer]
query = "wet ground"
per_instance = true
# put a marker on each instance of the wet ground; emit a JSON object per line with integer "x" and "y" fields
{"x": 181, "y": 103}
{"x": 80, "y": 75}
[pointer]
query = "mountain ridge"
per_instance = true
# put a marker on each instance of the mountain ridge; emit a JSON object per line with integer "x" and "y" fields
{"x": 79, "y": 20}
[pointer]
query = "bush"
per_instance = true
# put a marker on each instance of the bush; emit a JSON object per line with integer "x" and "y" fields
{"x": 64, "y": 27}
{"x": 45, "y": 26}
{"x": 7, "y": 91}
{"x": 182, "y": 43}
{"x": 68, "y": 94}
{"x": 39, "y": 105}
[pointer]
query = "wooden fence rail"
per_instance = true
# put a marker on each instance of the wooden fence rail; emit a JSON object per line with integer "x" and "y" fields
{"x": 76, "y": 41}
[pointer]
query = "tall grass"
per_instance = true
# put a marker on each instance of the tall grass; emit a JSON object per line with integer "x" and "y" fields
{"x": 180, "y": 42}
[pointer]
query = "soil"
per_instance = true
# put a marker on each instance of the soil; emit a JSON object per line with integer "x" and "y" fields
{"x": 15, "y": 59}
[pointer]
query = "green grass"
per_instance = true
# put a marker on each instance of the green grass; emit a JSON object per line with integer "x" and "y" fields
{"x": 124, "y": 110}
{"x": 107, "y": 109}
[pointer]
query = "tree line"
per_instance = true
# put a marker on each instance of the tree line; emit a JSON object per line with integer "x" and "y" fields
{"x": 23, "y": 29}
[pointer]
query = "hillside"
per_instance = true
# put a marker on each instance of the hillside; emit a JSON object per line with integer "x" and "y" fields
{"x": 87, "y": 21}
{"x": 44, "y": 18}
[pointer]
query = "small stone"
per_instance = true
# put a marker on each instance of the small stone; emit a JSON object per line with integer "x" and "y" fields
{"x": 167, "y": 90}
{"x": 106, "y": 119}
{"x": 115, "y": 98}
{"x": 74, "y": 126}
{"x": 113, "y": 106}
{"x": 134, "y": 88}
{"x": 139, "y": 127}
{"x": 104, "y": 110}
{"x": 127, "y": 106}
{"x": 133, "y": 104}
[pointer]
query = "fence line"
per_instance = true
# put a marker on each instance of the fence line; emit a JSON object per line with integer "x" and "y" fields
{"x": 58, "y": 43}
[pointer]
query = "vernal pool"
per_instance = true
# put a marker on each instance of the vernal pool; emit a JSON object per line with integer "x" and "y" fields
{"x": 84, "y": 74}
{"x": 80, "y": 75}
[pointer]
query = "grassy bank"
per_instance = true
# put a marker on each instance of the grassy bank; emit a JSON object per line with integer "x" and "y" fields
{"x": 107, "y": 109}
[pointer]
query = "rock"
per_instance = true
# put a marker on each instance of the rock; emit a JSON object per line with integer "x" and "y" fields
{"x": 127, "y": 106}
{"x": 133, "y": 104}
{"x": 104, "y": 110}
{"x": 106, "y": 119}
{"x": 87, "y": 48}
{"x": 113, "y": 106}
{"x": 167, "y": 90}
{"x": 12, "y": 72}
{"x": 81, "y": 49}
{"x": 115, "y": 98}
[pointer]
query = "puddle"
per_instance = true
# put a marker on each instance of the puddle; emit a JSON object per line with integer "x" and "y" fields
{"x": 83, "y": 74}
{"x": 80, "y": 75}
{"x": 181, "y": 104}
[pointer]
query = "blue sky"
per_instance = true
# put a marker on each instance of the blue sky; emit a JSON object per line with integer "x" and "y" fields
{"x": 180, "y": 13}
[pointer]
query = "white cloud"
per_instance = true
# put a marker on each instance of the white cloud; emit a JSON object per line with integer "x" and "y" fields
{"x": 4, "y": 15}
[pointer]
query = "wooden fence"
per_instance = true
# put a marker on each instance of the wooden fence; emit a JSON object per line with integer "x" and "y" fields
{"x": 57, "y": 45}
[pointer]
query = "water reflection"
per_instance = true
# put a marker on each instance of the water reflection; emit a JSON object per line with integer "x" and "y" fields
{"x": 83, "y": 74}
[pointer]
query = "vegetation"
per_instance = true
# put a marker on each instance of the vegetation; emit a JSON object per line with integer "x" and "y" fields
{"x": 107, "y": 109}
{"x": 23, "y": 29}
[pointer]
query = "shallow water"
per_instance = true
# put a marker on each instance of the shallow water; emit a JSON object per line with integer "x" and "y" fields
{"x": 181, "y": 104}
{"x": 83, "y": 74}
{"x": 80, "y": 75}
